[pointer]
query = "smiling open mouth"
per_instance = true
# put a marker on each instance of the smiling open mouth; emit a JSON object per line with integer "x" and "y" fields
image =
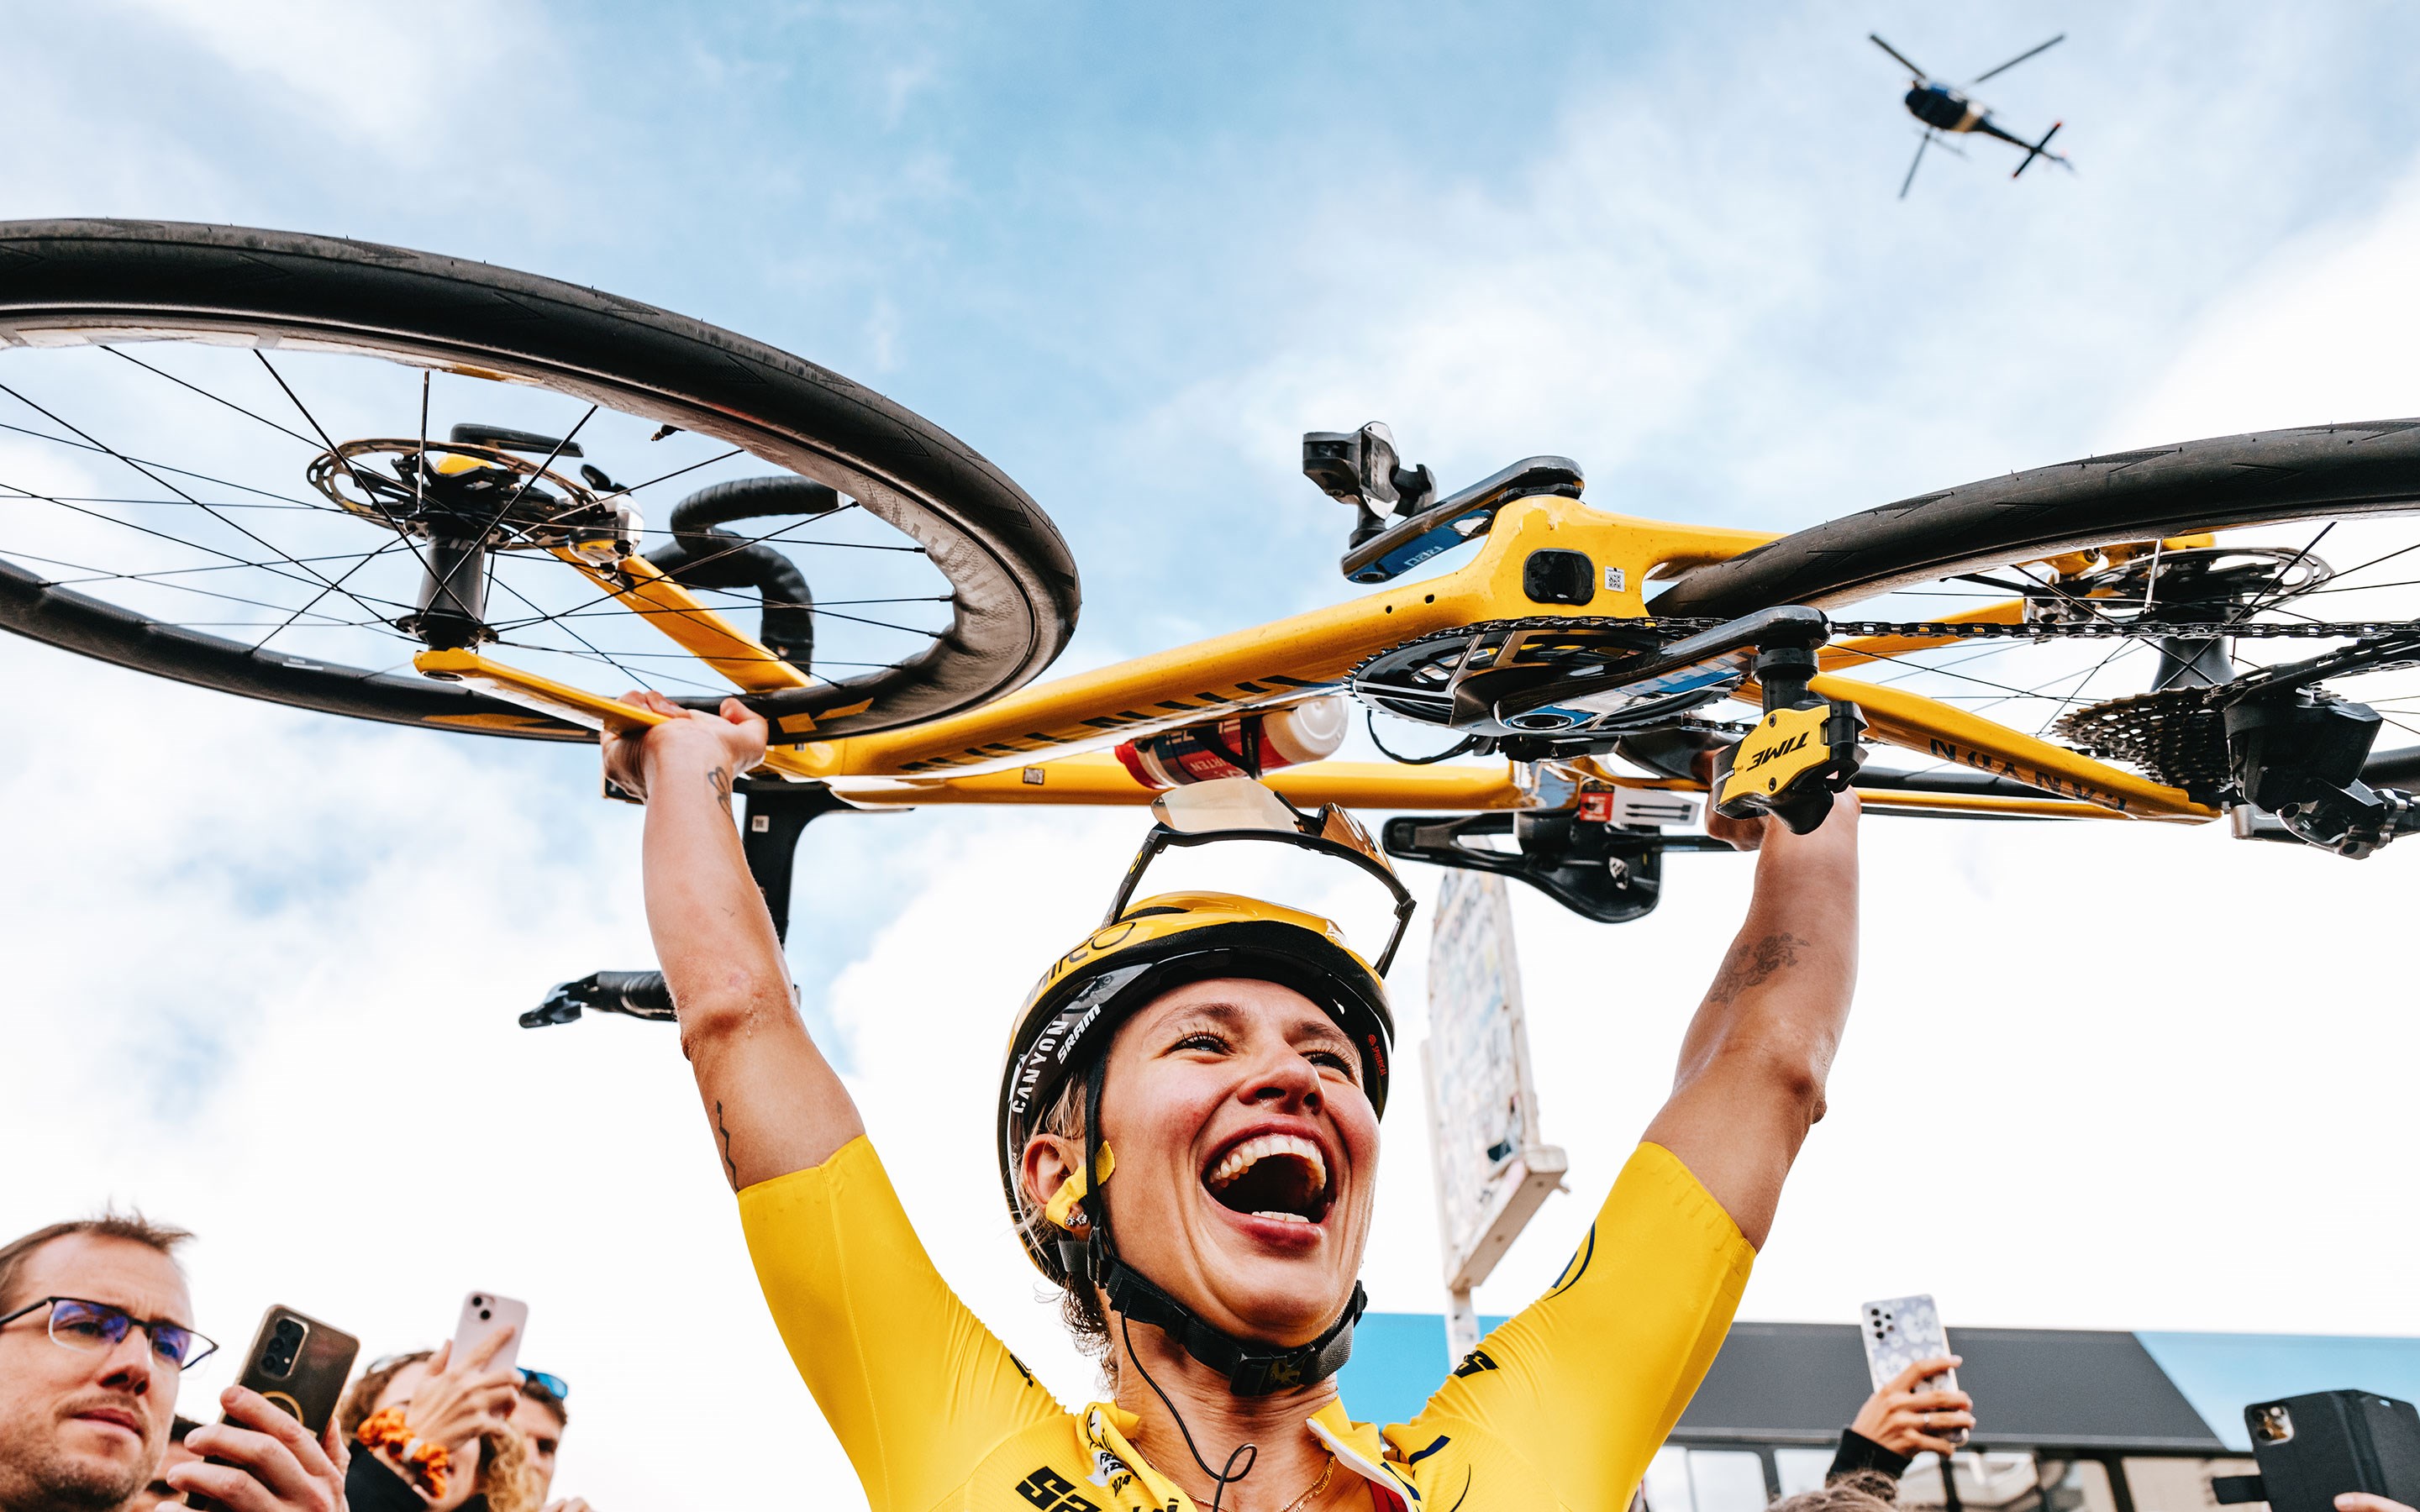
{"x": 1274, "y": 1176}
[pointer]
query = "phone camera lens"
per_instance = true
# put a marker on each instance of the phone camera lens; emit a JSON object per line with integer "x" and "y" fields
{"x": 485, "y": 1314}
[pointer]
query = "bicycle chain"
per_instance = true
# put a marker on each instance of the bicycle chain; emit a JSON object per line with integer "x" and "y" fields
{"x": 1951, "y": 629}
{"x": 1937, "y": 629}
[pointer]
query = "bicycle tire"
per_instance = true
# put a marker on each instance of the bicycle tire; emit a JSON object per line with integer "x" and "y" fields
{"x": 1014, "y": 585}
{"x": 2265, "y": 477}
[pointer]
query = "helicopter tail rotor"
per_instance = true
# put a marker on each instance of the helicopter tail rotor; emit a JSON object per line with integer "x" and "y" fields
{"x": 2039, "y": 149}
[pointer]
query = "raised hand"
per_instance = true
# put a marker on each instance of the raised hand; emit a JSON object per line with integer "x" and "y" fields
{"x": 1904, "y": 1419}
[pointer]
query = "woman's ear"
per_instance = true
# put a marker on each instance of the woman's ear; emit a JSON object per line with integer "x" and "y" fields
{"x": 1048, "y": 1161}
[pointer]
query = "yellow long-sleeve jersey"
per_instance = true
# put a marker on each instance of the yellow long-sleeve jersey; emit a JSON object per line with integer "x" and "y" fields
{"x": 1561, "y": 1407}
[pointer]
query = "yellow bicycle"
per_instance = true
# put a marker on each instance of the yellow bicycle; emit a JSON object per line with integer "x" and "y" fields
{"x": 410, "y": 489}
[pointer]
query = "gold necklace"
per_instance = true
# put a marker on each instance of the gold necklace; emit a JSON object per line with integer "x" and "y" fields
{"x": 1315, "y": 1487}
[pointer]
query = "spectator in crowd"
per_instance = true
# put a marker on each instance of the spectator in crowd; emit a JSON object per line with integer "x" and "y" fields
{"x": 465, "y": 1409}
{"x": 159, "y": 1490}
{"x": 541, "y": 1419}
{"x": 1901, "y": 1420}
{"x": 96, "y": 1329}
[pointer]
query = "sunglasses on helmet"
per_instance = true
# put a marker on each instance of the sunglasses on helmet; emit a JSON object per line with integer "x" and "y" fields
{"x": 1241, "y": 809}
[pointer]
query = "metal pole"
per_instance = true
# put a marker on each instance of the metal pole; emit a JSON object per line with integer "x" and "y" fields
{"x": 1461, "y": 1327}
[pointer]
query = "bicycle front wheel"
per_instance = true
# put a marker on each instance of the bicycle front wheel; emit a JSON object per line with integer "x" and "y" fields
{"x": 227, "y": 457}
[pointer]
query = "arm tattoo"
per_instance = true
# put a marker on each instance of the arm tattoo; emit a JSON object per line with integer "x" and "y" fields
{"x": 724, "y": 1130}
{"x": 717, "y": 781}
{"x": 1750, "y": 963}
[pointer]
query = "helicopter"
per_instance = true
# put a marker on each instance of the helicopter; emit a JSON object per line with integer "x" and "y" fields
{"x": 1944, "y": 109}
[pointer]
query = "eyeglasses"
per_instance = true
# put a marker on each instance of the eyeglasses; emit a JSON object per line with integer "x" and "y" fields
{"x": 554, "y": 1386}
{"x": 91, "y": 1326}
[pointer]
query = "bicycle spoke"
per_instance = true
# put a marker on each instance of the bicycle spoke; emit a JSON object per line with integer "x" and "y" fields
{"x": 154, "y": 579}
{"x": 496, "y": 580}
{"x": 771, "y": 537}
{"x": 162, "y": 535}
{"x": 330, "y": 587}
{"x": 208, "y": 394}
{"x": 409, "y": 538}
{"x": 155, "y": 478}
{"x": 691, "y": 467}
{"x": 143, "y": 464}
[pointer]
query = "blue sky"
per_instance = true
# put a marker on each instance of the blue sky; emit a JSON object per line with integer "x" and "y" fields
{"x": 1131, "y": 254}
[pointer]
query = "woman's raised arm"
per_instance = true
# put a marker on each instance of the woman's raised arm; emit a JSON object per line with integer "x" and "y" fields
{"x": 774, "y": 1103}
{"x": 1753, "y": 1062}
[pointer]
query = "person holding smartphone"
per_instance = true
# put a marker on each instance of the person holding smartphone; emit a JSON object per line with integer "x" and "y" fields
{"x": 1902, "y": 1419}
{"x": 95, "y": 1333}
{"x": 1188, "y": 1145}
{"x": 464, "y": 1406}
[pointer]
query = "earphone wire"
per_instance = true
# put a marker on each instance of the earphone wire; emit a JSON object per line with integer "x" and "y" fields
{"x": 1249, "y": 1453}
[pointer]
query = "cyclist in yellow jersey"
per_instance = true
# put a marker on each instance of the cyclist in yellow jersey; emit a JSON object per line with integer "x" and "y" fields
{"x": 1218, "y": 1065}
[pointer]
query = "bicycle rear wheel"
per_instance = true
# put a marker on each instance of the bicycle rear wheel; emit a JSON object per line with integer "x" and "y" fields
{"x": 2306, "y": 528}
{"x": 186, "y": 422}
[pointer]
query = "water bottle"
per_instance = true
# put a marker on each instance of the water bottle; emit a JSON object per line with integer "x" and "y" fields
{"x": 1246, "y": 745}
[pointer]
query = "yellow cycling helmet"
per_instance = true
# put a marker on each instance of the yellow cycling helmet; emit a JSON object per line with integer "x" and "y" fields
{"x": 1143, "y": 949}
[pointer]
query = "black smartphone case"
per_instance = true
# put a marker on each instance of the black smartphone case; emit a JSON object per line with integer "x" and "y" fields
{"x": 2312, "y": 1447}
{"x": 308, "y": 1389}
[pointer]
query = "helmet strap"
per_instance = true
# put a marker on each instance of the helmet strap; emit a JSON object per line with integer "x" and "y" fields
{"x": 1251, "y": 1366}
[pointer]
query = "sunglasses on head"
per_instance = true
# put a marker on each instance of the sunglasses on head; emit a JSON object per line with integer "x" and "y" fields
{"x": 554, "y": 1386}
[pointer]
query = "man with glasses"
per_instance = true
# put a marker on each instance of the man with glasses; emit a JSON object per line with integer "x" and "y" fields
{"x": 95, "y": 1333}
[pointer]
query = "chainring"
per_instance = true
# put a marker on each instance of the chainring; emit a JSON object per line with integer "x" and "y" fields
{"x": 1455, "y": 678}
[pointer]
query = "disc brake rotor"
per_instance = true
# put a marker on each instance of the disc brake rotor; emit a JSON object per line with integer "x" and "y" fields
{"x": 2208, "y": 584}
{"x": 458, "y": 490}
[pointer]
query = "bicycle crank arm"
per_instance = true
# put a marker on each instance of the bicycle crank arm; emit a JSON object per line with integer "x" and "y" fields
{"x": 1804, "y": 750}
{"x": 577, "y": 704}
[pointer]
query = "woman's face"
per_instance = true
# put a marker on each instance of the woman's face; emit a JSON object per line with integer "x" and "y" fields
{"x": 1246, "y": 1156}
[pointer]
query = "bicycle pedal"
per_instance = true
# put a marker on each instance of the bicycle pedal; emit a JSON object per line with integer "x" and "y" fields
{"x": 1790, "y": 756}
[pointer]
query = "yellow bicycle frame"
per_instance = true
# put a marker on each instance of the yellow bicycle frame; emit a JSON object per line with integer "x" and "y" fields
{"x": 1044, "y": 743}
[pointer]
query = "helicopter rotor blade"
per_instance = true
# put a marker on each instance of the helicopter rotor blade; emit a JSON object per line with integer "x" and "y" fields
{"x": 2019, "y": 58}
{"x": 1920, "y": 145}
{"x": 1921, "y": 76}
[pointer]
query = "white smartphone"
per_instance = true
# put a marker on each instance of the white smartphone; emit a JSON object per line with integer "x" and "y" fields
{"x": 484, "y": 1316}
{"x": 1900, "y": 1331}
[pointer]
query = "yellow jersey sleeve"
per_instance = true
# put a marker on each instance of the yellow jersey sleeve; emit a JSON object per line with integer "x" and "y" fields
{"x": 1584, "y": 1384}
{"x": 915, "y": 1387}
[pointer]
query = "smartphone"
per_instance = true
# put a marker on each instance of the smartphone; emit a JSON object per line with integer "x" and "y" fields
{"x": 300, "y": 1365}
{"x": 484, "y": 1316}
{"x": 1900, "y": 1331}
{"x": 2314, "y": 1446}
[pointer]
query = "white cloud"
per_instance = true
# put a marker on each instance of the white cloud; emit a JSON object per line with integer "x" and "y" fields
{"x": 397, "y": 77}
{"x": 2324, "y": 330}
